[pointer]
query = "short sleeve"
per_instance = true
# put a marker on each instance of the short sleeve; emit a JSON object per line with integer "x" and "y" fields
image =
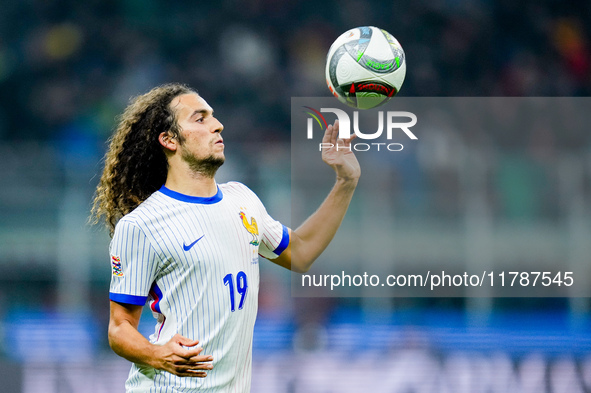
{"x": 133, "y": 264}
{"x": 274, "y": 236}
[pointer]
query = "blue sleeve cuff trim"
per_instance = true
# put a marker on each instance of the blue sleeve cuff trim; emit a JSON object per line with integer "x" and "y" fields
{"x": 284, "y": 242}
{"x": 128, "y": 299}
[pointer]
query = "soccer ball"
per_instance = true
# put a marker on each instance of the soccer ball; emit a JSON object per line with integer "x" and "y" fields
{"x": 365, "y": 67}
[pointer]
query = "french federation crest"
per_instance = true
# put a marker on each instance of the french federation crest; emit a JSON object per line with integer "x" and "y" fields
{"x": 116, "y": 265}
{"x": 251, "y": 227}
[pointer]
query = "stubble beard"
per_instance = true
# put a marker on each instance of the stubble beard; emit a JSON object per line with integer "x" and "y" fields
{"x": 207, "y": 166}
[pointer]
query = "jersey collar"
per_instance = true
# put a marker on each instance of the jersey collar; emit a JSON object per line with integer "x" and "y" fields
{"x": 193, "y": 199}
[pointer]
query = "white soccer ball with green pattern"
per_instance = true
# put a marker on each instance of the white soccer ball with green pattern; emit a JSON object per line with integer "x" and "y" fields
{"x": 365, "y": 67}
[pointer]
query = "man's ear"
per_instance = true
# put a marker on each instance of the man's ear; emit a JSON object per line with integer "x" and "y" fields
{"x": 168, "y": 141}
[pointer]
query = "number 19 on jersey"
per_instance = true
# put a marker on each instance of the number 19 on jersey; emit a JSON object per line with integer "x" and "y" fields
{"x": 241, "y": 285}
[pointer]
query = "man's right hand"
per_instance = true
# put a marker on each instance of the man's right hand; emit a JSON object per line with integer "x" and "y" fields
{"x": 175, "y": 358}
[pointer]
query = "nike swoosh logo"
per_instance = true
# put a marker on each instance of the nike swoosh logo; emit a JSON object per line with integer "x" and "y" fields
{"x": 187, "y": 248}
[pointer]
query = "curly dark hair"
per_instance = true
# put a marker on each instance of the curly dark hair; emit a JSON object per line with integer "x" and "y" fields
{"x": 135, "y": 164}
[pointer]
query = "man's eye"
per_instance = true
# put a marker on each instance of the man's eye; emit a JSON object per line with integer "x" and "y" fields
{"x": 200, "y": 120}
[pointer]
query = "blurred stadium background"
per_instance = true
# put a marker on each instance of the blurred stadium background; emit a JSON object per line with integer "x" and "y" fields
{"x": 67, "y": 68}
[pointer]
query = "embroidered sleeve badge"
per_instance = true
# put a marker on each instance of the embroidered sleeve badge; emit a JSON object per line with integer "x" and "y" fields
{"x": 116, "y": 265}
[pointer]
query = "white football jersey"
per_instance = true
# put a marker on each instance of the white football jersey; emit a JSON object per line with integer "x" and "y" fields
{"x": 195, "y": 260}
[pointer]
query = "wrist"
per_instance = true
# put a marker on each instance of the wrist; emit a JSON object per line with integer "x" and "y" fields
{"x": 154, "y": 357}
{"x": 347, "y": 181}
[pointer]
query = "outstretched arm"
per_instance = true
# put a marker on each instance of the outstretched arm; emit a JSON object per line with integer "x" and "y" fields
{"x": 127, "y": 342}
{"x": 308, "y": 241}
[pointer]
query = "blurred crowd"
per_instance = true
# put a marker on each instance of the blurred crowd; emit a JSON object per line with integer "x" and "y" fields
{"x": 68, "y": 67}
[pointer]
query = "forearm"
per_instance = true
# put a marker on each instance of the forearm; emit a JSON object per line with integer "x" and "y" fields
{"x": 179, "y": 355}
{"x": 310, "y": 239}
{"x": 127, "y": 342}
